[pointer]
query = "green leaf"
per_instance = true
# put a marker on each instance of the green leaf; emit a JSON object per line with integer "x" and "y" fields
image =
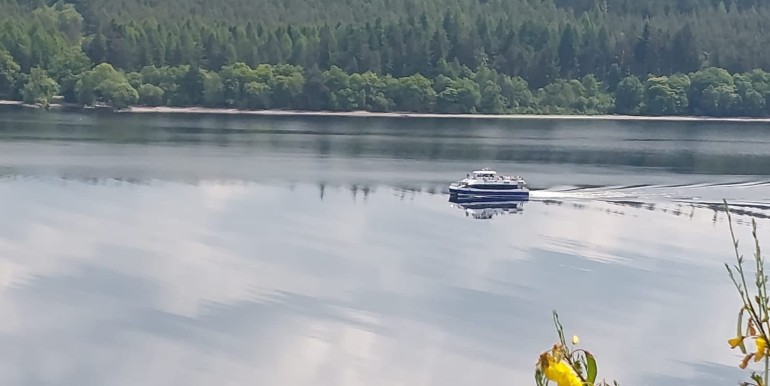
{"x": 740, "y": 327}
{"x": 559, "y": 328}
{"x": 590, "y": 368}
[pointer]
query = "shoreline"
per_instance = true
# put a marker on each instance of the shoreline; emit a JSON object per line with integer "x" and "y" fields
{"x": 368, "y": 114}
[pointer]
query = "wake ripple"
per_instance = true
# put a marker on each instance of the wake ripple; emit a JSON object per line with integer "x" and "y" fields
{"x": 738, "y": 192}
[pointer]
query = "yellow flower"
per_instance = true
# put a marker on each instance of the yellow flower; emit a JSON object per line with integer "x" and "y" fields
{"x": 761, "y": 349}
{"x": 575, "y": 339}
{"x": 558, "y": 371}
{"x": 734, "y": 342}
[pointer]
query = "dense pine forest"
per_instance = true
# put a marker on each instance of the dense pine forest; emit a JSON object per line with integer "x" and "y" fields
{"x": 652, "y": 57}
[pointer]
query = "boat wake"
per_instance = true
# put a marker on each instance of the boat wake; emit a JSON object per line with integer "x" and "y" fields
{"x": 739, "y": 193}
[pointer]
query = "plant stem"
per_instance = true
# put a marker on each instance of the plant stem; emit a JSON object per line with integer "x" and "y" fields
{"x": 757, "y": 316}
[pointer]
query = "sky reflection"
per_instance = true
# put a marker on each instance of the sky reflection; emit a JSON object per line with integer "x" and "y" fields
{"x": 212, "y": 283}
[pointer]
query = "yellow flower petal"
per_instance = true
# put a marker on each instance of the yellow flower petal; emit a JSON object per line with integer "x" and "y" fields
{"x": 575, "y": 339}
{"x": 559, "y": 371}
{"x": 761, "y": 348}
{"x": 734, "y": 342}
{"x": 761, "y": 344}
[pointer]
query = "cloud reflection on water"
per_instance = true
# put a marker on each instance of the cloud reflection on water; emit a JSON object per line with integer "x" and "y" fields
{"x": 122, "y": 283}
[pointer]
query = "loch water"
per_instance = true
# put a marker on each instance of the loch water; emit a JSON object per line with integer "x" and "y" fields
{"x": 142, "y": 249}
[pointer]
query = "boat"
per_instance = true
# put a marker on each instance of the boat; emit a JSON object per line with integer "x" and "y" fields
{"x": 488, "y": 183}
{"x": 486, "y": 208}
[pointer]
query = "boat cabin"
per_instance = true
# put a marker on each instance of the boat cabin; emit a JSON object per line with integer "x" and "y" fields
{"x": 482, "y": 174}
{"x": 487, "y": 180}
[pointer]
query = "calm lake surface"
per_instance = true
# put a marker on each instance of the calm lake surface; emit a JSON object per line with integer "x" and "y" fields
{"x": 215, "y": 250}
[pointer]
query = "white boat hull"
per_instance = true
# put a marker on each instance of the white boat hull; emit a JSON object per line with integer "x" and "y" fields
{"x": 471, "y": 191}
{"x": 487, "y": 183}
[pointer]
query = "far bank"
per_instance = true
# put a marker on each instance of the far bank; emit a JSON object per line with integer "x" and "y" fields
{"x": 364, "y": 114}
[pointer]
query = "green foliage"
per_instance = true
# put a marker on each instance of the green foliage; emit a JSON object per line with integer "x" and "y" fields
{"x": 39, "y": 88}
{"x": 535, "y": 40}
{"x": 213, "y": 90}
{"x": 709, "y": 91}
{"x": 460, "y": 96}
{"x": 256, "y": 96}
{"x": 65, "y": 70}
{"x": 118, "y": 94}
{"x": 629, "y": 96}
{"x": 150, "y": 95}
{"x": 666, "y": 95}
{"x": 447, "y": 56}
{"x": 88, "y": 87}
{"x": 9, "y": 71}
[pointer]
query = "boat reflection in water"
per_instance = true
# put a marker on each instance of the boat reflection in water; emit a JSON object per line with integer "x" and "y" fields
{"x": 484, "y": 208}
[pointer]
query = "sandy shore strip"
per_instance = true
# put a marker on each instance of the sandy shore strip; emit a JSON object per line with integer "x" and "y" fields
{"x": 11, "y": 103}
{"x": 364, "y": 114}
{"x": 205, "y": 110}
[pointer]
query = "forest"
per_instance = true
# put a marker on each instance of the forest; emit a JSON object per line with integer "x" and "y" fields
{"x": 639, "y": 57}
